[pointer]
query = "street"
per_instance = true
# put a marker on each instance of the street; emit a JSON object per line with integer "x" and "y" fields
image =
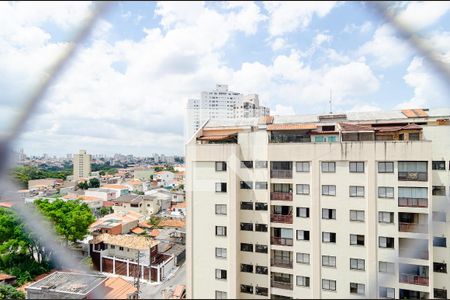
{"x": 155, "y": 291}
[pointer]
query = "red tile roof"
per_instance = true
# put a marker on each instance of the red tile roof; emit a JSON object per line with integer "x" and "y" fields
{"x": 118, "y": 288}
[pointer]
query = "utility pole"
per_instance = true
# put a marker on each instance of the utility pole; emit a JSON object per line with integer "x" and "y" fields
{"x": 331, "y": 99}
{"x": 137, "y": 281}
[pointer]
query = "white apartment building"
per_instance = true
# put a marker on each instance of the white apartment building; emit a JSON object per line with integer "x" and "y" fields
{"x": 353, "y": 205}
{"x": 221, "y": 103}
{"x": 81, "y": 165}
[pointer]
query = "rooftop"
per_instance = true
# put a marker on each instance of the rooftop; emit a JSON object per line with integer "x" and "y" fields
{"x": 6, "y": 276}
{"x": 69, "y": 282}
{"x": 115, "y": 186}
{"x": 115, "y": 219}
{"x": 118, "y": 288}
{"x": 128, "y": 241}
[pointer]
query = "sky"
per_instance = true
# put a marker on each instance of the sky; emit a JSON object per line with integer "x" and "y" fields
{"x": 126, "y": 89}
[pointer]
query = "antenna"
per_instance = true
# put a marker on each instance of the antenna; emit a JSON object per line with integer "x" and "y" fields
{"x": 331, "y": 102}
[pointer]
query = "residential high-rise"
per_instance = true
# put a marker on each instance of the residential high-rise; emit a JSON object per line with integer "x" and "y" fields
{"x": 81, "y": 165}
{"x": 320, "y": 206}
{"x": 221, "y": 103}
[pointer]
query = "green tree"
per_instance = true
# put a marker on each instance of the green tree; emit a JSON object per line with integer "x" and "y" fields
{"x": 9, "y": 292}
{"x": 83, "y": 185}
{"x": 103, "y": 211}
{"x": 71, "y": 218}
{"x": 154, "y": 222}
{"x": 94, "y": 183}
{"x": 102, "y": 173}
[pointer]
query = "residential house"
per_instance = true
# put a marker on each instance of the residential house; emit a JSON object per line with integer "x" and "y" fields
{"x": 120, "y": 189}
{"x": 163, "y": 196}
{"x": 165, "y": 178}
{"x": 117, "y": 223}
{"x": 102, "y": 193}
{"x": 135, "y": 185}
{"x": 144, "y": 204}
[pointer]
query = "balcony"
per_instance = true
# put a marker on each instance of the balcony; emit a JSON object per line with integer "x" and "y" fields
{"x": 283, "y": 174}
{"x": 417, "y": 254}
{"x": 413, "y": 279}
{"x": 281, "y": 241}
{"x": 283, "y": 196}
{"x": 412, "y": 202}
{"x": 412, "y": 227}
{"x": 285, "y": 219}
{"x": 282, "y": 263}
{"x": 413, "y": 176}
{"x": 281, "y": 285}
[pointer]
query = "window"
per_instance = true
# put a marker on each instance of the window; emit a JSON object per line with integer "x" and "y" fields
{"x": 328, "y": 237}
{"x": 246, "y": 185}
{"x": 303, "y": 212}
{"x": 329, "y": 261}
{"x": 302, "y": 189}
{"x": 413, "y": 192}
{"x": 357, "y": 215}
{"x": 246, "y": 247}
{"x": 221, "y": 187}
{"x": 261, "y": 227}
{"x": 246, "y": 226}
{"x": 440, "y": 267}
{"x": 328, "y": 167}
{"x": 221, "y": 252}
{"x": 302, "y": 235}
{"x": 262, "y": 291}
{"x": 247, "y": 289}
{"x": 356, "y": 191}
{"x": 438, "y": 165}
{"x": 262, "y": 270}
{"x": 248, "y": 164}
{"x": 221, "y": 231}
{"x": 261, "y": 164}
{"x": 385, "y": 217}
{"x": 385, "y": 167}
{"x": 386, "y": 267}
{"x": 121, "y": 248}
{"x": 385, "y": 192}
{"x": 385, "y": 242}
{"x": 221, "y": 209}
{"x": 440, "y": 293}
{"x": 328, "y": 285}
{"x": 357, "y": 239}
{"x": 246, "y": 268}
{"x": 328, "y": 214}
{"x": 221, "y": 166}
{"x": 303, "y": 258}
{"x": 439, "y": 242}
{"x": 329, "y": 190}
{"x": 356, "y": 167}
{"x": 246, "y": 205}
{"x": 303, "y": 281}
{"x": 438, "y": 190}
{"x": 386, "y": 292}
{"x": 357, "y": 264}
{"x": 221, "y": 274}
{"x": 261, "y": 248}
{"x": 261, "y": 185}
{"x": 412, "y": 171}
{"x": 357, "y": 288}
{"x": 113, "y": 247}
{"x": 221, "y": 295}
{"x": 302, "y": 166}
{"x": 439, "y": 216}
{"x": 260, "y": 206}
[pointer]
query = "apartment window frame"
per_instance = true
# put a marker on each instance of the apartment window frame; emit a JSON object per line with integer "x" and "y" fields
{"x": 246, "y": 185}
{"x": 246, "y": 205}
{"x": 329, "y": 190}
{"x": 221, "y": 274}
{"x": 328, "y": 166}
{"x": 221, "y": 252}
{"x": 221, "y": 187}
{"x": 261, "y": 291}
{"x": 328, "y": 214}
{"x": 302, "y": 189}
{"x": 386, "y": 292}
{"x": 357, "y": 215}
{"x": 386, "y": 192}
{"x": 386, "y": 217}
{"x": 356, "y": 191}
{"x": 245, "y": 226}
{"x": 246, "y": 247}
{"x": 328, "y": 285}
{"x": 356, "y": 167}
{"x": 261, "y": 185}
{"x": 357, "y": 288}
{"x": 221, "y": 231}
{"x": 357, "y": 264}
{"x": 357, "y": 239}
{"x": 440, "y": 267}
{"x": 246, "y": 164}
{"x": 303, "y": 258}
{"x": 247, "y": 289}
{"x": 221, "y": 209}
{"x": 263, "y": 270}
{"x": 221, "y": 295}
{"x": 438, "y": 190}
{"x": 303, "y": 281}
{"x": 221, "y": 166}
{"x": 329, "y": 261}
{"x": 261, "y": 206}
{"x": 302, "y": 166}
{"x": 438, "y": 165}
{"x": 246, "y": 268}
{"x": 261, "y": 227}
{"x": 302, "y": 235}
{"x": 328, "y": 237}
{"x": 386, "y": 242}
{"x": 385, "y": 167}
{"x": 261, "y": 248}
{"x": 302, "y": 212}
{"x": 440, "y": 241}
{"x": 386, "y": 267}
{"x": 260, "y": 164}
{"x": 440, "y": 293}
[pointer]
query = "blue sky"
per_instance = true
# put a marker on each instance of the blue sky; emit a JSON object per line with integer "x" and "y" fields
{"x": 126, "y": 90}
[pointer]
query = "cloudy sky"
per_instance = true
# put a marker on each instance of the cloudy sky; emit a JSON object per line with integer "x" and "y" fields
{"x": 125, "y": 92}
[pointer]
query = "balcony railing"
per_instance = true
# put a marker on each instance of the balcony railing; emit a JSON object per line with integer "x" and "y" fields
{"x": 411, "y": 227}
{"x": 281, "y": 174}
{"x": 284, "y": 196}
{"x": 286, "y": 219}
{"x": 410, "y": 252}
{"x": 413, "y": 279}
{"x": 281, "y": 263}
{"x": 282, "y": 241}
{"x": 281, "y": 285}
{"x": 412, "y": 176}
{"x": 412, "y": 202}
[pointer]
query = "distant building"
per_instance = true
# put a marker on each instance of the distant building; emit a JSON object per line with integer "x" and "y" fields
{"x": 249, "y": 108}
{"x": 120, "y": 189}
{"x": 104, "y": 194}
{"x": 81, "y": 165}
{"x": 144, "y": 204}
{"x": 41, "y": 184}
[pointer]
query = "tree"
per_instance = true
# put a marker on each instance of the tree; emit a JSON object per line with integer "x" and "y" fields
{"x": 94, "y": 183}
{"x": 102, "y": 173}
{"x": 9, "y": 292}
{"x": 83, "y": 185}
{"x": 154, "y": 222}
{"x": 71, "y": 218}
{"x": 103, "y": 211}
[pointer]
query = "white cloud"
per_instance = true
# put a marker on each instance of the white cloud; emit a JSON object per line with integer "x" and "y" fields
{"x": 385, "y": 48}
{"x": 362, "y": 28}
{"x": 421, "y": 14}
{"x": 282, "y": 110}
{"x": 286, "y": 17}
{"x": 321, "y": 38}
{"x": 278, "y": 43}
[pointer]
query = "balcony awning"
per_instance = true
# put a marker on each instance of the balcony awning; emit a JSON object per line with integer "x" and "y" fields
{"x": 301, "y": 126}
{"x": 216, "y": 137}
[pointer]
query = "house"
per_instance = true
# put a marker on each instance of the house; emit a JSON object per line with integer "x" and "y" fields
{"x": 144, "y": 204}
{"x": 166, "y": 178}
{"x": 92, "y": 202}
{"x": 71, "y": 285}
{"x": 178, "y": 210}
{"x": 130, "y": 255}
{"x": 163, "y": 196}
{"x": 117, "y": 223}
{"x": 102, "y": 193}
{"x": 178, "y": 196}
{"x": 120, "y": 189}
{"x": 47, "y": 183}
{"x": 7, "y": 279}
{"x": 135, "y": 185}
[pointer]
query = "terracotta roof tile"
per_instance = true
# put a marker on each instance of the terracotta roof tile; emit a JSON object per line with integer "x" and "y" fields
{"x": 118, "y": 288}
{"x": 128, "y": 241}
{"x": 172, "y": 223}
{"x": 137, "y": 230}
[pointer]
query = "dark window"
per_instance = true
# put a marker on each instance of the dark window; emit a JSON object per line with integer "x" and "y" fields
{"x": 261, "y": 248}
{"x": 329, "y": 237}
{"x": 261, "y": 164}
{"x": 247, "y": 164}
{"x": 260, "y": 206}
{"x": 261, "y": 227}
{"x": 246, "y": 205}
{"x": 246, "y": 268}
{"x": 221, "y": 166}
{"x": 356, "y": 167}
{"x": 221, "y": 274}
{"x": 440, "y": 267}
{"x": 247, "y": 226}
{"x": 261, "y": 185}
{"x": 303, "y": 281}
{"x": 246, "y": 247}
{"x": 385, "y": 167}
{"x": 357, "y": 288}
{"x": 261, "y": 270}
{"x": 261, "y": 291}
{"x": 414, "y": 136}
{"x": 440, "y": 293}
{"x": 302, "y": 235}
{"x": 302, "y": 212}
{"x": 438, "y": 165}
{"x": 221, "y": 230}
{"x": 247, "y": 289}
{"x": 438, "y": 190}
{"x": 357, "y": 239}
{"x": 328, "y": 214}
{"x": 221, "y": 187}
{"x": 246, "y": 185}
{"x": 439, "y": 241}
{"x": 121, "y": 248}
{"x": 385, "y": 242}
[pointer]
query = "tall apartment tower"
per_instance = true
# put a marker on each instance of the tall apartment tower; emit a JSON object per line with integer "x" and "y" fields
{"x": 81, "y": 165}
{"x": 321, "y": 206}
{"x": 221, "y": 103}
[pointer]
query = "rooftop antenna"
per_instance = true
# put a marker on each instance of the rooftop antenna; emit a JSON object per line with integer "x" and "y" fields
{"x": 331, "y": 102}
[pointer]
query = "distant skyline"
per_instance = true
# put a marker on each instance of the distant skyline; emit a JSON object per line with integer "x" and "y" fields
{"x": 126, "y": 90}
